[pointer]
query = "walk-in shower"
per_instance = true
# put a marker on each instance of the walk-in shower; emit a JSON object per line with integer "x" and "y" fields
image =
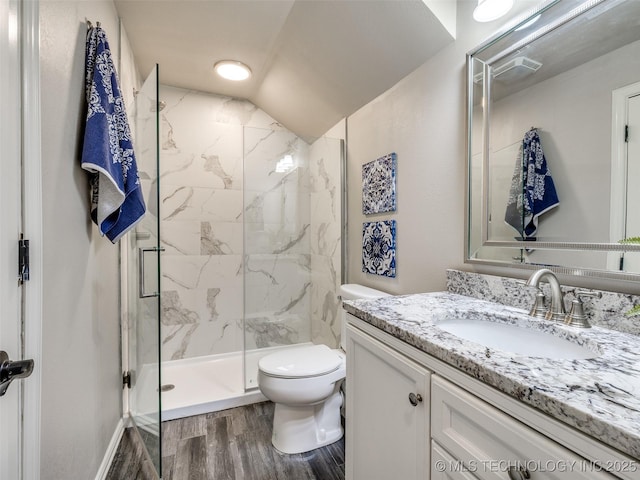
{"x": 250, "y": 228}
{"x": 250, "y": 224}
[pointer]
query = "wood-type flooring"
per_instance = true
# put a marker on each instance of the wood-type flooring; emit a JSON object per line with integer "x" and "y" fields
{"x": 232, "y": 444}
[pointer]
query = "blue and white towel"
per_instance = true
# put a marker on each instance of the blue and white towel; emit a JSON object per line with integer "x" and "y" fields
{"x": 107, "y": 153}
{"x": 532, "y": 191}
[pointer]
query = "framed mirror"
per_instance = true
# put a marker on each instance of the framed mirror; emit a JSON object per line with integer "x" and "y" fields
{"x": 554, "y": 140}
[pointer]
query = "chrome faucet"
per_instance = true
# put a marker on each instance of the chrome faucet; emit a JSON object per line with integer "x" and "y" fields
{"x": 557, "y": 311}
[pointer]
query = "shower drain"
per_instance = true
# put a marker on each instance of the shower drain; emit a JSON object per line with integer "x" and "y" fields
{"x": 167, "y": 387}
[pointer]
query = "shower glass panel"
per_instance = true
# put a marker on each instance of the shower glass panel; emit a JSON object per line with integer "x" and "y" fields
{"x": 143, "y": 277}
{"x": 277, "y": 276}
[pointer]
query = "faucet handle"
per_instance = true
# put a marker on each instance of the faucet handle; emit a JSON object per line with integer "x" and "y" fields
{"x": 580, "y": 293}
{"x": 538, "y": 310}
{"x": 576, "y": 316}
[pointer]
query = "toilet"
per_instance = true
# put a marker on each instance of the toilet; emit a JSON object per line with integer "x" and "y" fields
{"x": 304, "y": 383}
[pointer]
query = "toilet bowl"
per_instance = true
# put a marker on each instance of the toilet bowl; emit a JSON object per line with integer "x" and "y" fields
{"x": 304, "y": 383}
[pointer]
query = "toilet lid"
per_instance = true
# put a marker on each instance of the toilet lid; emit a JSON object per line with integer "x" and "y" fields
{"x": 306, "y": 361}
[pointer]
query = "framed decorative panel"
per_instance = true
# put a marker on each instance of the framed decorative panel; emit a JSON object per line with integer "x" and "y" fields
{"x": 379, "y": 185}
{"x": 379, "y": 248}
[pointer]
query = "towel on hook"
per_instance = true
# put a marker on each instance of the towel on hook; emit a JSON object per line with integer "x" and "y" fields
{"x": 532, "y": 191}
{"x": 107, "y": 152}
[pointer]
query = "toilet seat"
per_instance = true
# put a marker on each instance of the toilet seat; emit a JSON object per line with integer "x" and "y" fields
{"x": 303, "y": 362}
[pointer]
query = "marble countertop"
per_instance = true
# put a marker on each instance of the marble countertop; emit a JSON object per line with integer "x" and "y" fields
{"x": 599, "y": 396}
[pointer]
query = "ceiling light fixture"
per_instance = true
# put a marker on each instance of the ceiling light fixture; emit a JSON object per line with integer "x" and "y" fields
{"x": 489, "y": 10}
{"x": 232, "y": 70}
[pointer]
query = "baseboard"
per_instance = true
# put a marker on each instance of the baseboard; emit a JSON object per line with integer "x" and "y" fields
{"x": 112, "y": 448}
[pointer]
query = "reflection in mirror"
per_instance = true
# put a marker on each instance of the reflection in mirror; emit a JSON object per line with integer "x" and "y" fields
{"x": 561, "y": 186}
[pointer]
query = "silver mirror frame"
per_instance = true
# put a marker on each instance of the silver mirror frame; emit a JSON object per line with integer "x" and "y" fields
{"x": 485, "y": 241}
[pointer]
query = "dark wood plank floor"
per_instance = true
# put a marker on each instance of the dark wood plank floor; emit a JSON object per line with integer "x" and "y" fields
{"x": 235, "y": 444}
{"x": 130, "y": 462}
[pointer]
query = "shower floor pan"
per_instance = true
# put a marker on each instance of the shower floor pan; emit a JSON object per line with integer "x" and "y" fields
{"x": 201, "y": 385}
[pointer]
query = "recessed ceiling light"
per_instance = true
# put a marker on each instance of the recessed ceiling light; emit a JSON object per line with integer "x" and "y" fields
{"x": 488, "y": 10}
{"x": 232, "y": 70}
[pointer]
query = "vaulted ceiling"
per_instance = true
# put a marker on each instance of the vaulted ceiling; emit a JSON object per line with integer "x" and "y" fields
{"x": 313, "y": 61}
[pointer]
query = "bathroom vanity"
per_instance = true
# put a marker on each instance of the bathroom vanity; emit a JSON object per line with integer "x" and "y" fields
{"x": 424, "y": 403}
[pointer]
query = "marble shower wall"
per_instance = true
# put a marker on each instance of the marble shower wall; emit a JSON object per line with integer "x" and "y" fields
{"x": 201, "y": 195}
{"x": 325, "y": 217}
{"x": 207, "y": 192}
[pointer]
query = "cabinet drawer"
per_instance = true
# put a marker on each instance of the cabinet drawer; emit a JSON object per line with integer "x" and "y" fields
{"x": 445, "y": 467}
{"x": 490, "y": 443}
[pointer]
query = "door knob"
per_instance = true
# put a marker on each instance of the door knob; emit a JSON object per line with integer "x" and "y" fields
{"x": 10, "y": 370}
{"x": 414, "y": 399}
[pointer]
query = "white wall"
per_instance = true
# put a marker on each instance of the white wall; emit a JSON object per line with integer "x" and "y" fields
{"x": 81, "y": 376}
{"x": 421, "y": 119}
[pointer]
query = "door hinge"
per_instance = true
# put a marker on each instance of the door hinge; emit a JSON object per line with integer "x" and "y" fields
{"x": 626, "y": 133}
{"x": 126, "y": 379}
{"x": 23, "y": 260}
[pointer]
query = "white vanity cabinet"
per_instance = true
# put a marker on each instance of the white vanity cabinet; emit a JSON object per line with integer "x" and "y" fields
{"x": 387, "y": 417}
{"x": 458, "y": 430}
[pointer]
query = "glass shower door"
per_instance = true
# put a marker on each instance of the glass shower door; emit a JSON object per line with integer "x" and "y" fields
{"x": 143, "y": 277}
{"x": 277, "y": 280}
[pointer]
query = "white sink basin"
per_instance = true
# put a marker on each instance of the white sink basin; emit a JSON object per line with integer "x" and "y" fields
{"x": 515, "y": 339}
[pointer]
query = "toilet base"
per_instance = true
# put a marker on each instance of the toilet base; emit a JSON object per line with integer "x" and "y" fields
{"x": 298, "y": 429}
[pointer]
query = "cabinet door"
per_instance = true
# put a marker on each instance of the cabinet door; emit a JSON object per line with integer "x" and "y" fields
{"x": 386, "y": 434}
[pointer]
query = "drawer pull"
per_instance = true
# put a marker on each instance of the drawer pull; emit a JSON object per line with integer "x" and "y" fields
{"x": 415, "y": 399}
{"x": 520, "y": 473}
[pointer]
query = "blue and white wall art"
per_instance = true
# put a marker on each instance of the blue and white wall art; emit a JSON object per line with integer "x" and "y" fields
{"x": 379, "y": 185}
{"x": 379, "y": 248}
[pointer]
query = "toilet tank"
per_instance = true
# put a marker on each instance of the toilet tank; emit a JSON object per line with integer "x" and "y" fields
{"x": 353, "y": 291}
